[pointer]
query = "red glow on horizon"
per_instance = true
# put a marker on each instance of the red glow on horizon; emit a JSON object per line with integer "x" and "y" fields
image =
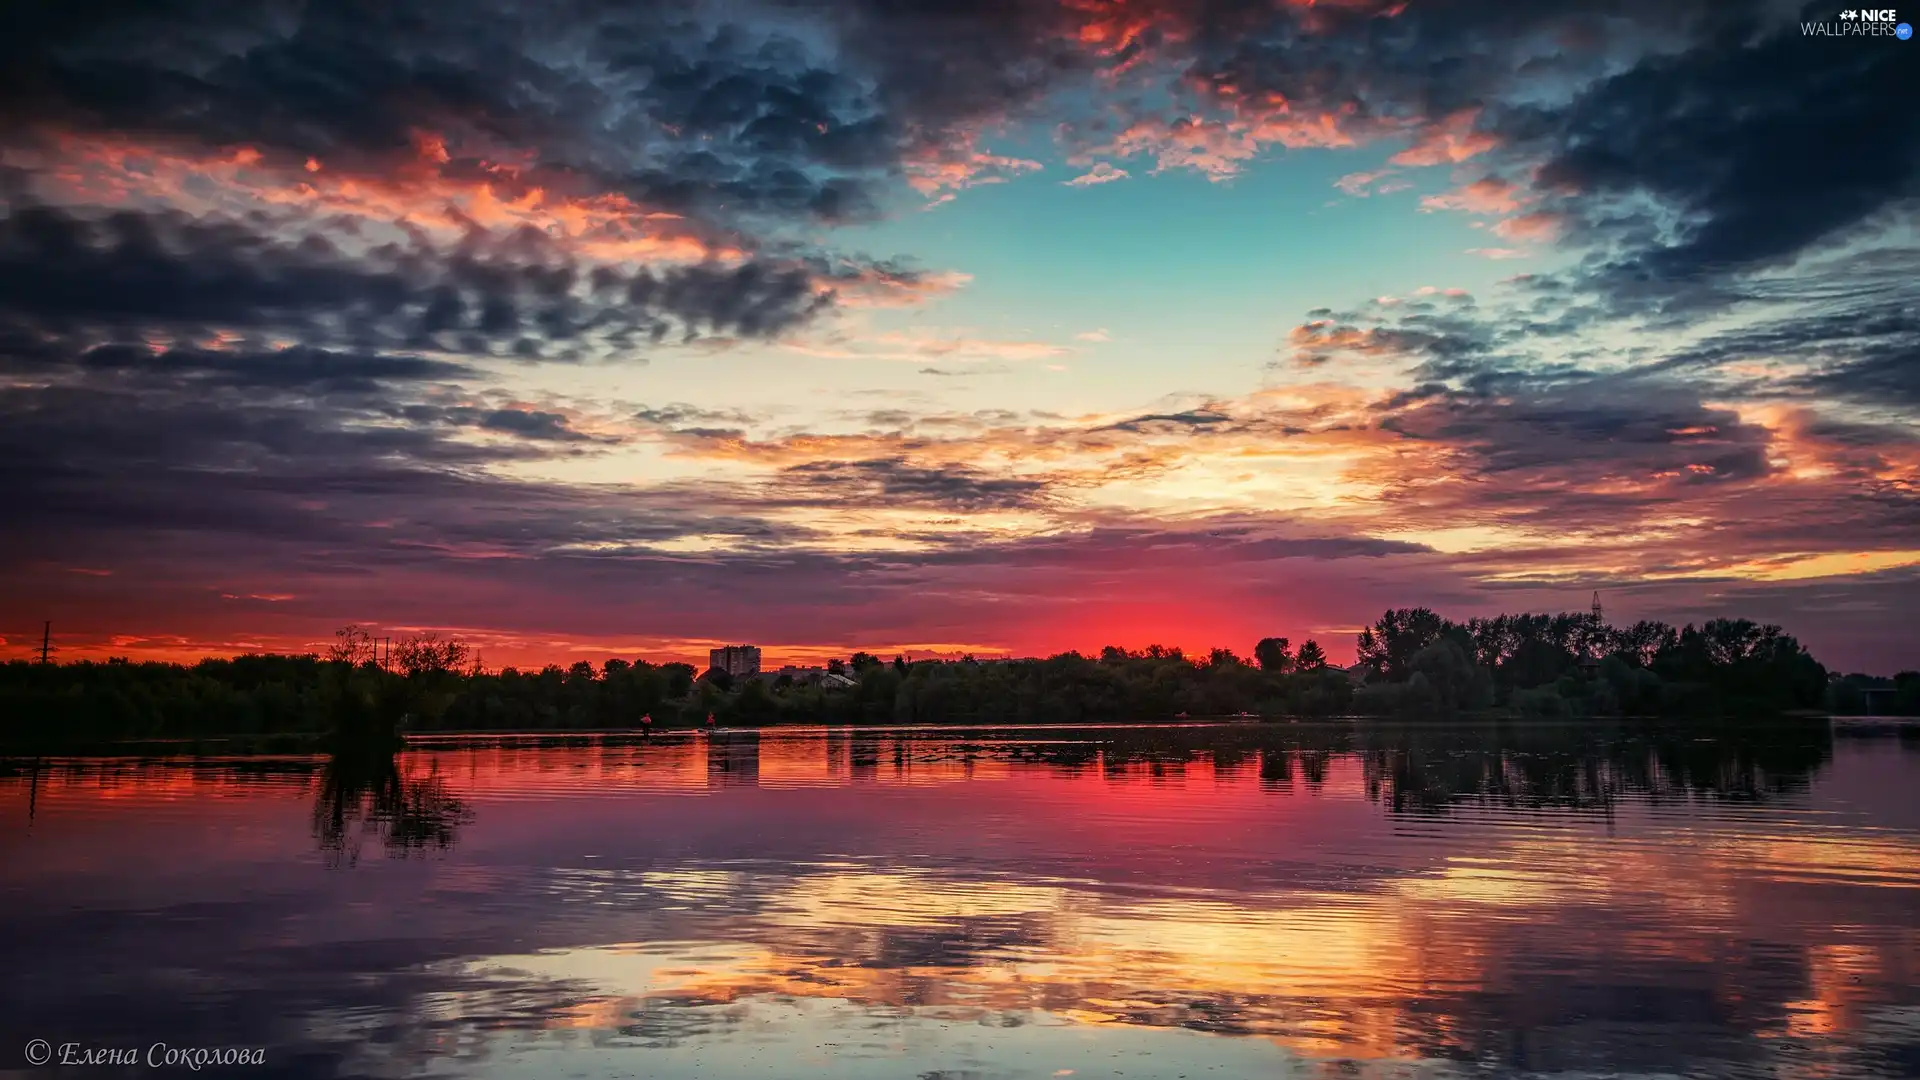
{"x": 1130, "y": 627}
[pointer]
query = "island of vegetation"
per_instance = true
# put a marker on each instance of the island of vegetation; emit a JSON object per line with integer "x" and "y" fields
{"x": 1412, "y": 663}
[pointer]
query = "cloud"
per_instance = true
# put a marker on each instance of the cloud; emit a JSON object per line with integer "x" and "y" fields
{"x": 716, "y": 119}
{"x": 521, "y": 423}
{"x": 1360, "y": 184}
{"x": 1536, "y": 226}
{"x": 1102, "y": 173}
{"x": 887, "y": 283}
{"x": 261, "y": 271}
{"x": 1812, "y": 152}
{"x": 1190, "y": 419}
{"x": 66, "y": 274}
{"x": 1487, "y": 195}
{"x": 927, "y": 344}
{"x": 1447, "y": 140}
{"x": 294, "y": 368}
{"x": 940, "y": 171}
{"x": 895, "y": 482}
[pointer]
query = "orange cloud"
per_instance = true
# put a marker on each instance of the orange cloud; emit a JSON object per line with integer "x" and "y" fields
{"x": 418, "y": 191}
{"x": 1487, "y": 195}
{"x": 1539, "y": 226}
{"x": 943, "y": 168}
{"x": 927, "y": 345}
{"x": 876, "y": 287}
{"x": 1448, "y": 141}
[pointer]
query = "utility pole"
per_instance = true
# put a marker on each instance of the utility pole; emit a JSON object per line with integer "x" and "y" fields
{"x": 46, "y": 640}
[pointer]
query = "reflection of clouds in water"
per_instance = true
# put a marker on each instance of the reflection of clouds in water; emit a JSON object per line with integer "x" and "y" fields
{"x": 1441, "y": 964}
{"x": 1534, "y": 908}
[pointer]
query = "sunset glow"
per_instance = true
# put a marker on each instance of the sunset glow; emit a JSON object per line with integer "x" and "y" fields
{"x": 942, "y": 332}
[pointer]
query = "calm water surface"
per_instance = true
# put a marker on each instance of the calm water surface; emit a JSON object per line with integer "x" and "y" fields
{"x": 1247, "y": 901}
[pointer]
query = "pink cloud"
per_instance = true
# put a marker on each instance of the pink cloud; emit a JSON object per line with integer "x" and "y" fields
{"x": 1539, "y": 225}
{"x": 1447, "y": 142}
{"x": 945, "y": 168}
{"x": 1103, "y": 173}
{"x": 1359, "y": 184}
{"x": 1487, "y": 195}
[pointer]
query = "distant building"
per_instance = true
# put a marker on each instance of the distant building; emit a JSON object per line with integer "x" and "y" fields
{"x": 1358, "y": 674}
{"x": 739, "y": 661}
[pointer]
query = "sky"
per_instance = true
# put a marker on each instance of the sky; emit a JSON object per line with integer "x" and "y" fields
{"x": 581, "y": 329}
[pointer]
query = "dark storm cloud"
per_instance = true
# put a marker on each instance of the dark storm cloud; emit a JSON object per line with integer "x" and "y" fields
{"x": 730, "y": 115}
{"x": 1583, "y": 431}
{"x": 295, "y": 368}
{"x": 1863, "y": 354}
{"x": 1891, "y": 378}
{"x": 884, "y": 482}
{"x": 323, "y": 483}
{"x": 814, "y": 110}
{"x": 523, "y": 423}
{"x": 1191, "y": 419}
{"x": 127, "y": 273}
{"x": 782, "y": 112}
{"x": 951, "y": 62}
{"x": 349, "y": 77}
{"x": 681, "y": 415}
{"x": 1676, "y": 144}
{"x": 1224, "y": 541}
{"x": 1756, "y": 151}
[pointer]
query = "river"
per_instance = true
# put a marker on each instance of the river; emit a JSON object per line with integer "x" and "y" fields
{"x": 1250, "y": 900}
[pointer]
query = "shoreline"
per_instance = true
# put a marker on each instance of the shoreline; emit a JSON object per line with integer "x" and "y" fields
{"x": 308, "y": 744}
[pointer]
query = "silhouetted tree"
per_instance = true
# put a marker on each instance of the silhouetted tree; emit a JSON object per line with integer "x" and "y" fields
{"x": 1273, "y": 654}
{"x": 1642, "y": 642}
{"x": 1388, "y": 646}
{"x": 353, "y": 644}
{"x": 1311, "y": 656}
{"x": 1222, "y": 658}
{"x": 425, "y": 654}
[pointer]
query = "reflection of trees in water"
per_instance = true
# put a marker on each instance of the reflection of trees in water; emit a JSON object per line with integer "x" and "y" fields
{"x": 367, "y": 793}
{"x": 1428, "y": 767}
{"x": 1587, "y": 768}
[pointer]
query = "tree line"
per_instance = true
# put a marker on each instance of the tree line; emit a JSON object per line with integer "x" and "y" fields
{"x": 1418, "y": 662}
{"x": 1412, "y": 662}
